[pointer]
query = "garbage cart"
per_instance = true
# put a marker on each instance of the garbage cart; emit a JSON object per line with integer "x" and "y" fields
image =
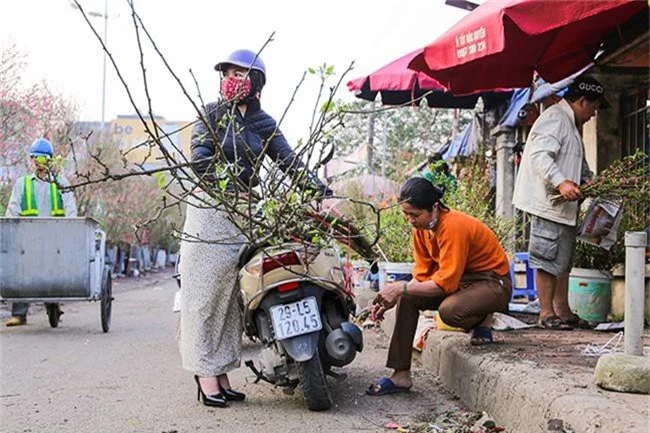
{"x": 54, "y": 260}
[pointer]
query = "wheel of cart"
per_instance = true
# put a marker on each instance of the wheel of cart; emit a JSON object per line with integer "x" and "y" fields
{"x": 54, "y": 261}
{"x": 106, "y": 298}
{"x": 53, "y": 313}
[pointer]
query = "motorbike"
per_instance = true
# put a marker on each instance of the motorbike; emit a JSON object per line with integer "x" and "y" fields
{"x": 296, "y": 304}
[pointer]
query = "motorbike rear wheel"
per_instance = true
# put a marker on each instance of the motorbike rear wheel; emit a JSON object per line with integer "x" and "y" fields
{"x": 314, "y": 385}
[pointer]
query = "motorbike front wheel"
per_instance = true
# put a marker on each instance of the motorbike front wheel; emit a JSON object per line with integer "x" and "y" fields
{"x": 314, "y": 385}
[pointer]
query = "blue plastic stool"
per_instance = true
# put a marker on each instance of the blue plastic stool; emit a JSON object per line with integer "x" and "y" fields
{"x": 529, "y": 291}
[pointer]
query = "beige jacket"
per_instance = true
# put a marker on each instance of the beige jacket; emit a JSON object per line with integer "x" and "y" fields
{"x": 553, "y": 153}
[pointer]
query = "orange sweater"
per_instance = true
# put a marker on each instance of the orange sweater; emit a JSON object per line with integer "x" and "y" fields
{"x": 460, "y": 243}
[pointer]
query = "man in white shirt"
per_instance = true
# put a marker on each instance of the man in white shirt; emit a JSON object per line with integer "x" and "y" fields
{"x": 38, "y": 195}
{"x": 554, "y": 158}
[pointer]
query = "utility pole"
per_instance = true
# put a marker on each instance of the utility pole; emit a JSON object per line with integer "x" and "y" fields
{"x": 105, "y": 41}
{"x": 371, "y": 137}
{"x": 384, "y": 143}
{"x": 454, "y": 124}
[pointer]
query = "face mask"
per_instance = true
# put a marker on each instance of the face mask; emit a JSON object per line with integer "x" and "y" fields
{"x": 235, "y": 89}
{"x": 434, "y": 221}
{"x": 41, "y": 161}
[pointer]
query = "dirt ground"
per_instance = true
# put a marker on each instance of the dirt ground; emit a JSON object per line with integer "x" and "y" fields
{"x": 565, "y": 350}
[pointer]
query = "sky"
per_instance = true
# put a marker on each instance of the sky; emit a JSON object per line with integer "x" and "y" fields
{"x": 195, "y": 34}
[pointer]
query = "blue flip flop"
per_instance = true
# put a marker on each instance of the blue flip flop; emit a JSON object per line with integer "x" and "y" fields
{"x": 385, "y": 386}
{"x": 481, "y": 335}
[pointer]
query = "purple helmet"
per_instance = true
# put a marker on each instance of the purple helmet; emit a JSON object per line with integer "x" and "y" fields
{"x": 244, "y": 58}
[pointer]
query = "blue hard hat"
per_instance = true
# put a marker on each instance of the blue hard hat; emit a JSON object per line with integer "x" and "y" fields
{"x": 41, "y": 147}
{"x": 244, "y": 58}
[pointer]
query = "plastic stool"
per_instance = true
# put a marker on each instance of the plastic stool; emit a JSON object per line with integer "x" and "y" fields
{"x": 529, "y": 291}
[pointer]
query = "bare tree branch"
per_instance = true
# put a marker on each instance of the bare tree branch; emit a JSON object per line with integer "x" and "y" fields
{"x": 285, "y": 205}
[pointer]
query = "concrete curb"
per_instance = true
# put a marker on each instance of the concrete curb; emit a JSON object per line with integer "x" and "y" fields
{"x": 521, "y": 396}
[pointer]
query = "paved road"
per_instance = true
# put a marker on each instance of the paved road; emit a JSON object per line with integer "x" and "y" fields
{"x": 77, "y": 379}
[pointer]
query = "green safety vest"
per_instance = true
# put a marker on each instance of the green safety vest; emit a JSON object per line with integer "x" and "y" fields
{"x": 29, "y": 205}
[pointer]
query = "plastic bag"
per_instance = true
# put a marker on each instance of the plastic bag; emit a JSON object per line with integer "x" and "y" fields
{"x": 600, "y": 224}
{"x": 425, "y": 324}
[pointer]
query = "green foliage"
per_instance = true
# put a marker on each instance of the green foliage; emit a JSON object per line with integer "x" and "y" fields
{"x": 636, "y": 217}
{"x": 359, "y": 210}
{"x": 471, "y": 195}
{"x": 396, "y": 235}
{"x": 589, "y": 256}
{"x": 54, "y": 164}
{"x": 474, "y": 196}
{"x": 323, "y": 71}
{"x": 328, "y": 106}
{"x": 627, "y": 179}
{"x": 436, "y": 175}
{"x": 160, "y": 178}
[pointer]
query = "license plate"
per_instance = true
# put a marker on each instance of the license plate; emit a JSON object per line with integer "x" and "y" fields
{"x": 297, "y": 318}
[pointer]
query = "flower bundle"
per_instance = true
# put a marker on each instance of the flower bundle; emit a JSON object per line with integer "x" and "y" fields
{"x": 626, "y": 179}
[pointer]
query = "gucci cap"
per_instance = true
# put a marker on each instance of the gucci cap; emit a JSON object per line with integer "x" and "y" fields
{"x": 589, "y": 87}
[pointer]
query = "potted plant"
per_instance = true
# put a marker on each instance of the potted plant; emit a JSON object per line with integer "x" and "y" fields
{"x": 590, "y": 283}
{"x": 597, "y": 282}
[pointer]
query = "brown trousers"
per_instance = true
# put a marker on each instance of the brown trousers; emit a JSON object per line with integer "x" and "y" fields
{"x": 480, "y": 294}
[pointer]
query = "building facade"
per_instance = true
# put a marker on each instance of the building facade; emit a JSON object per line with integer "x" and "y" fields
{"x": 134, "y": 138}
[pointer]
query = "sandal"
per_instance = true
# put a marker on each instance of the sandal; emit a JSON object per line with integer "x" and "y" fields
{"x": 577, "y": 322}
{"x": 385, "y": 386}
{"x": 555, "y": 323}
{"x": 481, "y": 335}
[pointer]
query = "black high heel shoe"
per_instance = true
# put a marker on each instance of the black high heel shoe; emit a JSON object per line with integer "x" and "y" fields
{"x": 232, "y": 395}
{"x": 216, "y": 400}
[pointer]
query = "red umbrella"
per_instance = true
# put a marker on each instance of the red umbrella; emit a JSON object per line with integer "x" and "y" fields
{"x": 502, "y": 42}
{"x": 399, "y": 85}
